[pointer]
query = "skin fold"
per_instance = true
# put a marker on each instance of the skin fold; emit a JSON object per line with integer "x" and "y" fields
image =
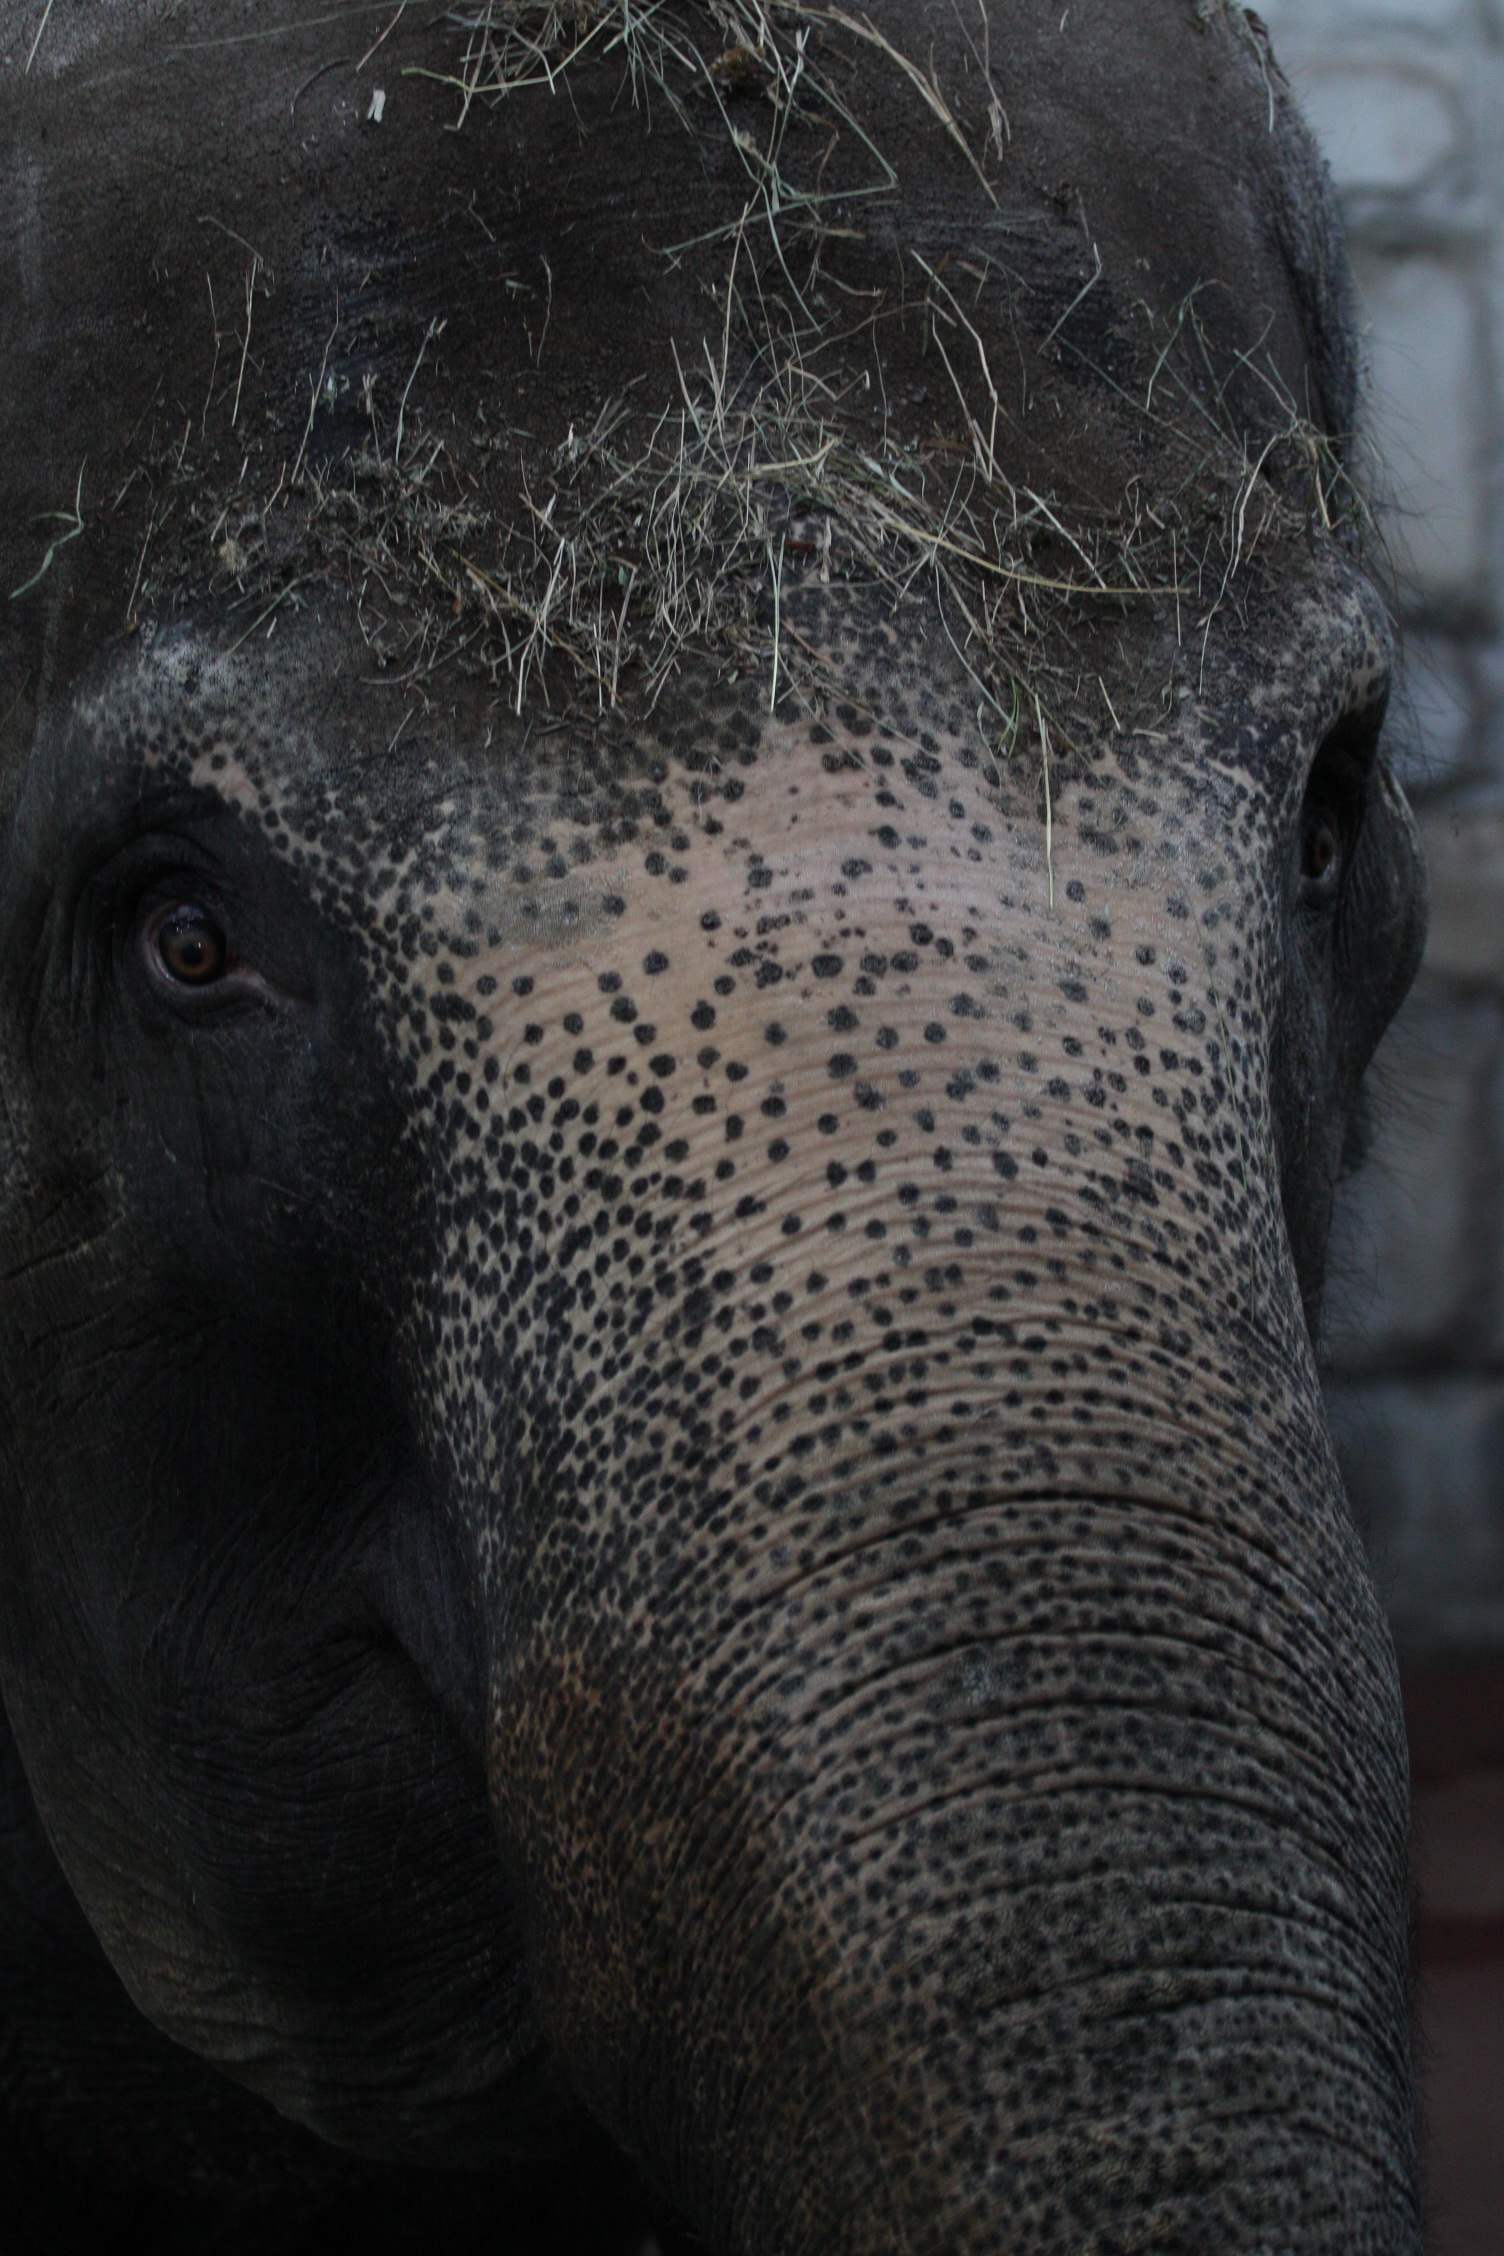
{"x": 669, "y": 1553}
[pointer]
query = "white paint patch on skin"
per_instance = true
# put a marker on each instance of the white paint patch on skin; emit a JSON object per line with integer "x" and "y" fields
{"x": 562, "y": 914}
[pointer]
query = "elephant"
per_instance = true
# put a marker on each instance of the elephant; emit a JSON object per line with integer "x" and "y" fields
{"x": 700, "y": 857}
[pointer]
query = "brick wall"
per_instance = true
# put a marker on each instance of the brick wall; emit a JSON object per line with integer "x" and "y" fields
{"x": 1407, "y": 97}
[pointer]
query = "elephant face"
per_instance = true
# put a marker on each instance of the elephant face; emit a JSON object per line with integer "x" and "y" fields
{"x": 676, "y": 1020}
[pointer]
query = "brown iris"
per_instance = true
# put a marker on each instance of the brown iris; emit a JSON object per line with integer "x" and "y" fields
{"x": 191, "y": 947}
{"x": 1321, "y": 854}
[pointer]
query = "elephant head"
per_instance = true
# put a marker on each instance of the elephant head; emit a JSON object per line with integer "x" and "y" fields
{"x": 700, "y": 864}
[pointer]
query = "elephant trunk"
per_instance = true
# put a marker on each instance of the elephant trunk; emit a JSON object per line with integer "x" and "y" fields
{"x": 990, "y": 1834}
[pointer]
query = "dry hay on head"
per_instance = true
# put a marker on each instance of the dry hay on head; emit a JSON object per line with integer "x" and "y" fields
{"x": 671, "y": 532}
{"x": 763, "y": 47}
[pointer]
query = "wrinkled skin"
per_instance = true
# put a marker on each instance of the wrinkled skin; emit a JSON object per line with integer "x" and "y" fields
{"x": 662, "y": 1460}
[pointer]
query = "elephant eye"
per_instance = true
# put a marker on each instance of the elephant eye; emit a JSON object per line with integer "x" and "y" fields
{"x": 188, "y": 946}
{"x": 1332, "y": 815}
{"x": 1321, "y": 855}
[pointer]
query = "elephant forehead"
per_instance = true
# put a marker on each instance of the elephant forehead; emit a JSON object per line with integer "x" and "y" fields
{"x": 342, "y": 348}
{"x": 517, "y": 832}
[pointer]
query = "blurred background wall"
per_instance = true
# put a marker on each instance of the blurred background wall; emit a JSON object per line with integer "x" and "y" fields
{"x": 1407, "y": 98}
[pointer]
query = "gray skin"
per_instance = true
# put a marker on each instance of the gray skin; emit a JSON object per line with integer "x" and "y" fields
{"x": 661, "y": 1447}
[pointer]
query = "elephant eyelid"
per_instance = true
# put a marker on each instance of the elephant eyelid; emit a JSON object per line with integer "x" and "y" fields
{"x": 1352, "y": 741}
{"x": 1342, "y": 767}
{"x": 148, "y": 870}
